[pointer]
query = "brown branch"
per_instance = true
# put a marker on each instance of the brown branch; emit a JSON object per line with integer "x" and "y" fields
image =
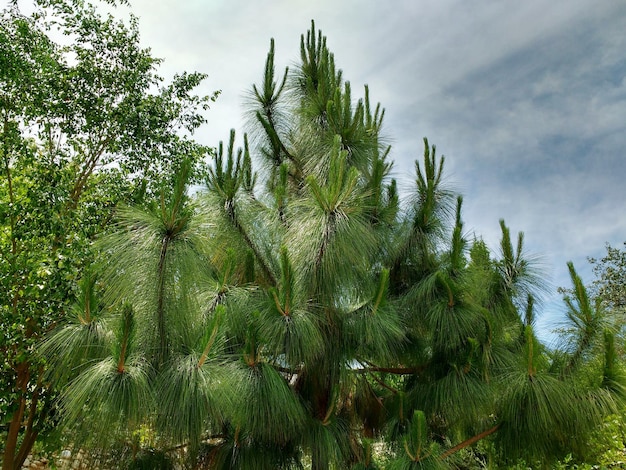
{"x": 86, "y": 172}
{"x": 278, "y": 305}
{"x": 25, "y": 448}
{"x": 16, "y": 421}
{"x": 30, "y": 435}
{"x": 122, "y": 359}
{"x": 470, "y": 441}
{"x": 384, "y": 385}
{"x": 392, "y": 370}
{"x": 286, "y": 370}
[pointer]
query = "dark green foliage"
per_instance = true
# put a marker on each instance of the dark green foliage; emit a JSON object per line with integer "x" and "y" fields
{"x": 150, "y": 459}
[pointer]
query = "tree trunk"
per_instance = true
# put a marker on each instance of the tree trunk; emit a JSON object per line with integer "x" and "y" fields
{"x": 14, "y": 455}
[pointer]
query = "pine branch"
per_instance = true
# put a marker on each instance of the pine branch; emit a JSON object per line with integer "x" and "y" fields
{"x": 469, "y": 442}
{"x": 383, "y": 384}
{"x": 235, "y": 221}
{"x": 391, "y": 370}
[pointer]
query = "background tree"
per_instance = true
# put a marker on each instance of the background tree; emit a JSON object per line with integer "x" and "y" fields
{"x": 610, "y": 282}
{"x": 83, "y": 127}
{"x": 597, "y": 312}
{"x": 307, "y": 319}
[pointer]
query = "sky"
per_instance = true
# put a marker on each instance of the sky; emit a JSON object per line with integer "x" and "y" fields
{"x": 527, "y": 100}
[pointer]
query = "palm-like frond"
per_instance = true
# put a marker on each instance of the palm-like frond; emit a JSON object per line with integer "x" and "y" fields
{"x": 288, "y": 326}
{"x": 72, "y": 346}
{"x": 375, "y": 330}
{"x": 115, "y": 389}
{"x": 82, "y": 338}
{"x": 433, "y": 202}
{"x": 315, "y": 81}
{"x": 614, "y": 376}
{"x": 239, "y": 223}
{"x": 192, "y": 396}
{"x": 459, "y": 394}
{"x": 113, "y": 401}
{"x": 327, "y": 442}
{"x": 292, "y": 339}
{"x": 540, "y": 415}
{"x": 265, "y": 407}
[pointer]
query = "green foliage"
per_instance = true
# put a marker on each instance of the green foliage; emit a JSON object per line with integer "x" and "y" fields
{"x": 314, "y": 318}
{"x": 83, "y": 127}
{"x": 610, "y": 273}
{"x": 606, "y": 444}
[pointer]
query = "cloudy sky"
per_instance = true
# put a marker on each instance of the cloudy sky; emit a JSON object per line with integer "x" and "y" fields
{"x": 527, "y": 100}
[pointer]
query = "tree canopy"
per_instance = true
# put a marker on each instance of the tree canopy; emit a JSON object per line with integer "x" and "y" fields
{"x": 292, "y": 311}
{"x": 610, "y": 282}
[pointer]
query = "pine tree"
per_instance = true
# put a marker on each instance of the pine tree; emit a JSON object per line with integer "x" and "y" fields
{"x": 309, "y": 317}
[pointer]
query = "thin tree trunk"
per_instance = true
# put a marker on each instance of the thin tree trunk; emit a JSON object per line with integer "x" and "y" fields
{"x": 161, "y": 301}
{"x": 86, "y": 172}
{"x": 30, "y": 435}
{"x": 9, "y": 460}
